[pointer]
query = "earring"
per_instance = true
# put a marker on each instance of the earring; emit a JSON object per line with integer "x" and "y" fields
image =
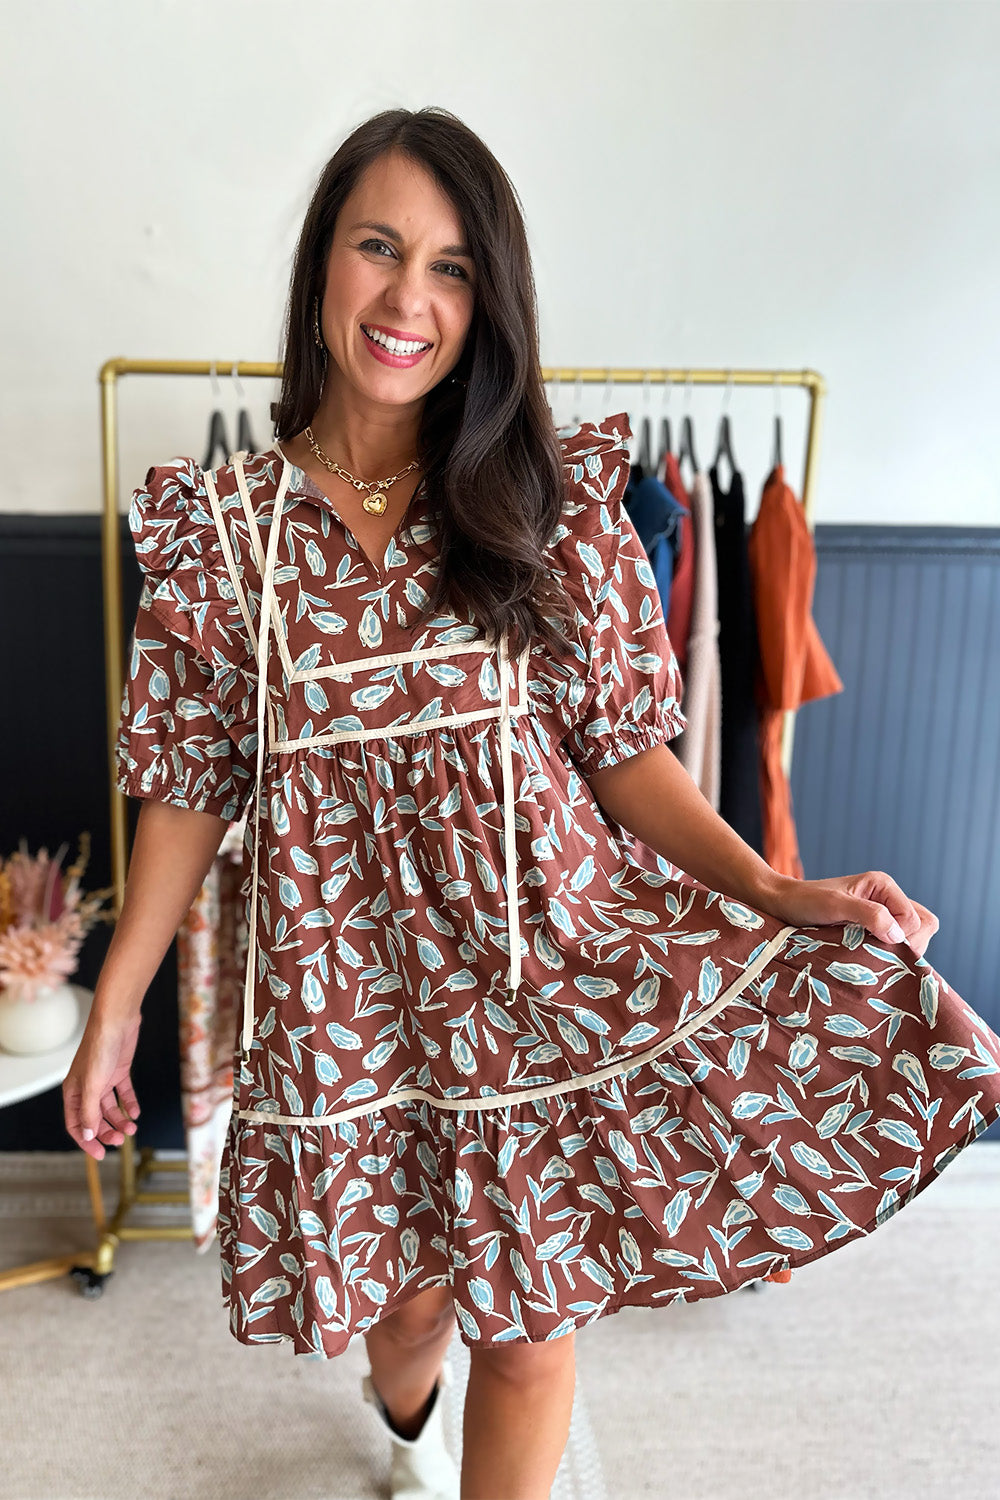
{"x": 317, "y": 335}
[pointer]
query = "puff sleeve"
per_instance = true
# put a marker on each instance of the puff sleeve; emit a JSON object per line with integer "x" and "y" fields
{"x": 632, "y": 687}
{"x": 185, "y": 732}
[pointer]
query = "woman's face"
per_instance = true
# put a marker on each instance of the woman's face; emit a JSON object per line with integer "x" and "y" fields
{"x": 398, "y": 267}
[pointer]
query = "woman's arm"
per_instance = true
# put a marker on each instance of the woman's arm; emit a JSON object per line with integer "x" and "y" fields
{"x": 172, "y": 853}
{"x": 652, "y": 795}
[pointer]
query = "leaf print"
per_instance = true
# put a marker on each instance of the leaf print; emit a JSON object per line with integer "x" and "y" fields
{"x": 607, "y": 1171}
{"x": 847, "y": 1025}
{"x": 596, "y": 1272}
{"x": 623, "y": 1149}
{"x": 640, "y": 1033}
{"x": 740, "y": 915}
{"x": 328, "y": 621}
{"x": 559, "y": 917}
{"x": 863, "y": 1055}
{"x": 429, "y": 953}
{"x": 811, "y": 1159}
{"x": 462, "y": 1054}
{"x": 553, "y": 1245}
{"x": 645, "y": 995}
{"x": 676, "y": 1211}
{"x": 748, "y": 1105}
{"x": 468, "y": 1323}
{"x": 834, "y": 1118}
{"x": 482, "y": 1293}
{"x": 315, "y": 697}
{"x": 629, "y": 1249}
{"x": 573, "y": 1035}
{"x": 271, "y": 1290}
{"x": 595, "y": 988}
{"x": 943, "y": 1056}
{"x": 303, "y": 862}
{"x": 802, "y": 1052}
{"x": 709, "y": 981}
{"x": 899, "y": 1131}
{"x": 589, "y": 1018}
{"x": 852, "y": 973}
{"x": 909, "y": 1066}
{"x": 790, "y": 1237}
{"x": 373, "y": 696}
{"x": 263, "y": 1221}
{"x": 279, "y": 817}
{"x": 593, "y": 1194}
{"x": 929, "y": 996}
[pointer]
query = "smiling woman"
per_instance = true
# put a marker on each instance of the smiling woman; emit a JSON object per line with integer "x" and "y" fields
{"x": 498, "y": 1062}
{"x": 411, "y": 338}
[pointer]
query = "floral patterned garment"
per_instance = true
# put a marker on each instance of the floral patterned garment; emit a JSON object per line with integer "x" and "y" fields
{"x": 490, "y": 1040}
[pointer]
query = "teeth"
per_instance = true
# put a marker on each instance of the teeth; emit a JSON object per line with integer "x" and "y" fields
{"x": 394, "y": 346}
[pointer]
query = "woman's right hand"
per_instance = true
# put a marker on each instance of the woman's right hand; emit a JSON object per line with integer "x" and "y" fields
{"x": 95, "y": 1118}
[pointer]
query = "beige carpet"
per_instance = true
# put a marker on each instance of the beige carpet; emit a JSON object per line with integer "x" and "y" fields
{"x": 874, "y": 1373}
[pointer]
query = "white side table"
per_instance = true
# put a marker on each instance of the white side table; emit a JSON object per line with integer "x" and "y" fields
{"x": 22, "y": 1077}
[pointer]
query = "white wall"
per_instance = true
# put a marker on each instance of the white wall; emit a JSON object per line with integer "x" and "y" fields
{"x": 734, "y": 184}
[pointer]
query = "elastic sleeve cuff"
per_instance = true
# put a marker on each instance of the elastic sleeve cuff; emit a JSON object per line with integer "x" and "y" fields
{"x": 157, "y": 784}
{"x": 631, "y": 739}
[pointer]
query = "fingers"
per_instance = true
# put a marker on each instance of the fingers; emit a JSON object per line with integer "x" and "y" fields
{"x": 96, "y": 1123}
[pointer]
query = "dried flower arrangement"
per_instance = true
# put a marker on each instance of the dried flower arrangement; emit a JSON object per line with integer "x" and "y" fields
{"x": 44, "y": 917}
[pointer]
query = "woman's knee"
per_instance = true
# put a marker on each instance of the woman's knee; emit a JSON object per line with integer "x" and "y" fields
{"x": 425, "y": 1316}
{"x": 524, "y": 1362}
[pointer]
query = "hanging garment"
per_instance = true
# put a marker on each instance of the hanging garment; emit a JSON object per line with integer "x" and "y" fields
{"x": 682, "y": 586}
{"x": 739, "y": 778}
{"x": 699, "y": 746}
{"x": 481, "y": 1047}
{"x": 794, "y": 665}
{"x": 656, "y": 515}
{"x": 211, "y": 962}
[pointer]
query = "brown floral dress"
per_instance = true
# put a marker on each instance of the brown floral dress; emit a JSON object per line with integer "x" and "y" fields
{"x": 489, "y": 1040}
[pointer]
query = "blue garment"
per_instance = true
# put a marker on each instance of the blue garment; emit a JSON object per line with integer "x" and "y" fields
{"x": 656, "y": 516}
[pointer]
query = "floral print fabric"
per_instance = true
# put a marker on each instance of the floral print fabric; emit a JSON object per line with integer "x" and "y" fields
{"x": 669, "y": 1094}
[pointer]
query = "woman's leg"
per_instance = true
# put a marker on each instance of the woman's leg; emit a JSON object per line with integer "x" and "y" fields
{"x": 517, "y": 1415}
{"x": 406, "y": 1349}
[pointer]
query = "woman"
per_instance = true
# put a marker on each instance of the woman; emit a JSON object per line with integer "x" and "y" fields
{"x": 497, "y": 1060}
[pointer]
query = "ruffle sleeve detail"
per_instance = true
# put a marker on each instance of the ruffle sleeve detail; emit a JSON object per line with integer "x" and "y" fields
{"x": 630, "y": 694}
{"x": 187, "y": 733}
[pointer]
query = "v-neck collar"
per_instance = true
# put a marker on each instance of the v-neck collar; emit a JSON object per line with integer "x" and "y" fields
{"x": 300, "y": 484}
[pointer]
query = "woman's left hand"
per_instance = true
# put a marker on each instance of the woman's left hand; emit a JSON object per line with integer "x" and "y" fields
{"x": 872, "y": 899}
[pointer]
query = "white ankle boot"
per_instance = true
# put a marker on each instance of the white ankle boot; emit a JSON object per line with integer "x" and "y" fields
{"x": 422, "y": 1467}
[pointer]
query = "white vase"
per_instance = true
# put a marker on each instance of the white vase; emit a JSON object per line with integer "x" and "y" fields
{"x": 37, "y": 1021}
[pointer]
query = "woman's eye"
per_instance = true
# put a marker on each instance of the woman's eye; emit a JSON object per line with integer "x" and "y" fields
{"x": 450, "y": 266}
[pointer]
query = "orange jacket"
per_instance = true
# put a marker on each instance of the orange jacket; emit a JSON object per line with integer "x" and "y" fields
{"x": 794, "y": 665}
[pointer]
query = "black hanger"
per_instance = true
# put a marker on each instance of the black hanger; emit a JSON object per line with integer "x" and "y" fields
{"x": 666, "y": 442}
{"x": 724, "y": 448}
{"x": 687, "y": 444}
{"x": 218, "y": 440}
{"x": 643, "y": 462}
{"x": 244, "y": 437}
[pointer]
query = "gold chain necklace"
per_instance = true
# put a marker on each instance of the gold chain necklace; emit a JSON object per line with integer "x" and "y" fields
{"x": 375, "y": 500}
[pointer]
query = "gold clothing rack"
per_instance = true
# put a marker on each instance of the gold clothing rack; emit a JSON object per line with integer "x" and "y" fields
{"x": 113, "y": 370}
{"x": 112, "y": 1231}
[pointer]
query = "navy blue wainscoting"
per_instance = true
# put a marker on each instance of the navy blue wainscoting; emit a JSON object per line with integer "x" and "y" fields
{"x": 901, "y": 771}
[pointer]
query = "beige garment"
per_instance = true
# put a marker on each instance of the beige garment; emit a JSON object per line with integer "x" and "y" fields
{"x": 699, "y": 747}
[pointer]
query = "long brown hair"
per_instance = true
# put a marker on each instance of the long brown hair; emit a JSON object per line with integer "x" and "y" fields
{"x": 487, "y": 444}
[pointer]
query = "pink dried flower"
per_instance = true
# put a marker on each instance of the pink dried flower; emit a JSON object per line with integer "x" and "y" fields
{"x": 44, "y": 917}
